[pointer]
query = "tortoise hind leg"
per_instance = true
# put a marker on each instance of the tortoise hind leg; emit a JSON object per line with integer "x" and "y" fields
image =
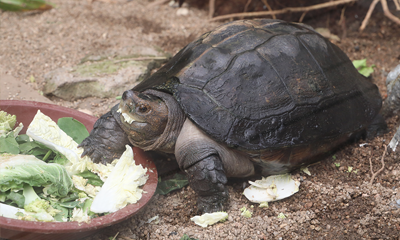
{"x": 207, "y": 178}
{"x": 378, "y": 127}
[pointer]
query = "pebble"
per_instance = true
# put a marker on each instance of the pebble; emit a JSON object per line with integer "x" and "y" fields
{"x": 182, "y": 12}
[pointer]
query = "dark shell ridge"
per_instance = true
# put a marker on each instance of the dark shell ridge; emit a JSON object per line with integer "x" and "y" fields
{"x": 256, "y": 84}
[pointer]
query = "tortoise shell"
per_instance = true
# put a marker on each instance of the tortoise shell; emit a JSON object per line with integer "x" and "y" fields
{"x": 259, "y": 84}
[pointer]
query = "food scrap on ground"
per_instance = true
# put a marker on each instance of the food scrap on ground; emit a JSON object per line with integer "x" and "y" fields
{"x": 209, "y": 218}
{"x": 272, "y": 188}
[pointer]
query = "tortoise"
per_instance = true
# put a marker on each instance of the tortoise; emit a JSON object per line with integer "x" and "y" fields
{"x": 250, "y": 97}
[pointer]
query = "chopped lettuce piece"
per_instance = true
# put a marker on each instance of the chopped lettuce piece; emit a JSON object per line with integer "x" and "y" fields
{"x": 29, "y": 194}
{"x": 15, "y": 198}
{"x": 82, "y": 214}
{"x": 44, "y": 130}
{"x": 79, "y": 215}
{"x": 7, "y": 123}
{"x": 103, "y": 171}
{"x": 41, "y": 205}
{"x": 305, "y": 170}
{"x": 209, "y": 218}
{"x": 126, "y": 116}
{"x": 9, "y": 211}
{"x": 121, "y": 186}
{"x": 18, "y": 129}
{"x": 9, "y": 161}
{"x": 92, "y": 178}
{"x": 272, "y": 188}
{"x": 245, "y": 212}
{"x": 281, "y": 216}
{"x": 38, "y": 210}
{"x": 156, "y": 220}
{"x": 18, "y": 170}
{"x": 83, "y": 185}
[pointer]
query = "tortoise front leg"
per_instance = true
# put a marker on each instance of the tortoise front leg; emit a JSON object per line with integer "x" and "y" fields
{"x": 207, "y": 178}
{"x": 106, "y": 141}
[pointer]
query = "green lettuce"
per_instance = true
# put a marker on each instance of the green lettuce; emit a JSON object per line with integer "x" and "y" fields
{"x": 7, "y": 123}
{"x": 18, "y": 170}
{"x": 8, "y": 143}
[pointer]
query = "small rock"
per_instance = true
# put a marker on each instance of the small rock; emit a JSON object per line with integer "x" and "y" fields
{"x": 392, "y": 102}
{"x": 103, "y": 77}
{"x": 182, "y": 12}
{"x": 308, "y": 205}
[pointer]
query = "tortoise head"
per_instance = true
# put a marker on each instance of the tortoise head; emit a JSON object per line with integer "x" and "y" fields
{"x": 144, "y": 116}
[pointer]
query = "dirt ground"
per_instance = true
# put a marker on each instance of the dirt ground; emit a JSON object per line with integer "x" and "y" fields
{"x": 333, "y": 203}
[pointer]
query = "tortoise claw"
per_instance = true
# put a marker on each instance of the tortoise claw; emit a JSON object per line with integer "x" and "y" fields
{"x": 87, "y": 149}
{"x": 97, "y": 153}
{"x": 213, "y": 203}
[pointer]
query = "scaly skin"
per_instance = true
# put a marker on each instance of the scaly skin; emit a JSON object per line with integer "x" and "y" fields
{"x": 207, "y": 178}
{"x": 106, "y": 141}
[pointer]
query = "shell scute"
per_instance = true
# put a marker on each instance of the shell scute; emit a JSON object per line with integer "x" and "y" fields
{"x": 219, "y": 120}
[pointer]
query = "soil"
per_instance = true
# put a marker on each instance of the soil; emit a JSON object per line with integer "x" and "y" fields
{"x": 336, "y": 202}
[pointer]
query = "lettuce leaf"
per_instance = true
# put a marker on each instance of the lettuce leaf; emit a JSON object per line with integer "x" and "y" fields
{"x": 7, "y": 123}
{"x": 121, "y": 186}
{"x": 15, "y": 171}
{"x": 44, "y": 130}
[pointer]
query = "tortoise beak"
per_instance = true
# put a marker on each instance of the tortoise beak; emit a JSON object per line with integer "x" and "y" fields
{"x": 127, "y": 107}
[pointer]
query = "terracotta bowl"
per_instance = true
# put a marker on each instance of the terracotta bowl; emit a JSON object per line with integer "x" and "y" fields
{"x": 19, "y": 229}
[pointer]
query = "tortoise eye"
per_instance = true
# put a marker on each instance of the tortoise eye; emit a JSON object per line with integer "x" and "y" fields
{"x": 142, "y": 108}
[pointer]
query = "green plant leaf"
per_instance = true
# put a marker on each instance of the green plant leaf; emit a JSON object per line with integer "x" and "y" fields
{"x": 64, "y": 213}
{"x": 177, "y": 182}
{"x": 73, "y": 128}
{"x": 9, "y": 145}
{"x": 360, "y": 63}
{"x": 16, "y": 198}
{"x": 24, "y": 5}
{"x": 92, "y": 178}
{"x": 367, "y": 71}
{"x": 362, "y": 67}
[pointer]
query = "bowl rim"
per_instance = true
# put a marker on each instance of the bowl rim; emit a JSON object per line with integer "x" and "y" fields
{"x": 49, "y": 107}
{"x": 95, "y": 223}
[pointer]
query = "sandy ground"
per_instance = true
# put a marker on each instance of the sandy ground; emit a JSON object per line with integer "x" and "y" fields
{"x": 333, "y": 203}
